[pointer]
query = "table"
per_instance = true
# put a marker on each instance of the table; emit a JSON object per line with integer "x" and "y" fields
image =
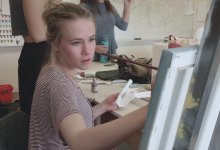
{"x": 105, "y": 90}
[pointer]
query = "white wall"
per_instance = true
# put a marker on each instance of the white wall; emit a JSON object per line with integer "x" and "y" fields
{"x": 9, "y": 66}
{"x": 137, "y": 51}
{"x": 138, "y": 48}
{"x": 201, "y": 8}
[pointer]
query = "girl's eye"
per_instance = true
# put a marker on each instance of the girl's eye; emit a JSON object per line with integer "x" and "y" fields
{"x": 92, "y": 39}
{"x": 76, "y": 43}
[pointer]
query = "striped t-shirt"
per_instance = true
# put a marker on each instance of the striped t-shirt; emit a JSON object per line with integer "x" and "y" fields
{"x": 56, "y": 96}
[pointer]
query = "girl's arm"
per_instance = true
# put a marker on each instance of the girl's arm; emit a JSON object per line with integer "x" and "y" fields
{"x": 126, "y": 11}
{"x": 33, "y": 10}
{"x": 122, "y": 22}
{"x": 103, "y": 136}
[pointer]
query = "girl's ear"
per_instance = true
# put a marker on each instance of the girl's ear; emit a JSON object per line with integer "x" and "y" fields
{"x": 54, "y": 46}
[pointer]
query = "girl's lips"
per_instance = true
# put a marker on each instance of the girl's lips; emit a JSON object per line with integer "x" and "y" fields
{"x": 86, "y": 60}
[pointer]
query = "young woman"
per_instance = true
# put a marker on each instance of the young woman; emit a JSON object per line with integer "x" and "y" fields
{"x": 61, "y": 116}
{"x": 107, "y": 17}
{"x": 26, "y": 20}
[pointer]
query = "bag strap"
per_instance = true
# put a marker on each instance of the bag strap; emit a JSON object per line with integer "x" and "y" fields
{"x": 171, "y": 36}
{"x": 148, "y": 62}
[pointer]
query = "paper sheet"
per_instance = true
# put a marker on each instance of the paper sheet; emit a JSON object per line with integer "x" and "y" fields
{"x": 126, "y": 95}
{"x": 124, "y": 99}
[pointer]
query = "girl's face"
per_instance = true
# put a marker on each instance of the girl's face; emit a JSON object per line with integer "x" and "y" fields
{"x": 77, "y": 45}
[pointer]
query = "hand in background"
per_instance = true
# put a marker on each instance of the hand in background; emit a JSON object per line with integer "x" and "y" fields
{"x": 127, "y": 3}
{"x": 101, "y": 49}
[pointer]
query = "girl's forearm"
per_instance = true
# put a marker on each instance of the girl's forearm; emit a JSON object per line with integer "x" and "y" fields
{"x": 110, "y": 134}
{"x": 126, "y": 12}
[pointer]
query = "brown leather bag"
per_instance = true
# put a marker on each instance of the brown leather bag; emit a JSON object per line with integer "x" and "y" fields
{"x": 135, "y": 71}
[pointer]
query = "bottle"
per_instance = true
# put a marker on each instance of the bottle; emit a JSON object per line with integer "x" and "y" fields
{"x": 105, "y": 42}
{"x": 94, "y": 85}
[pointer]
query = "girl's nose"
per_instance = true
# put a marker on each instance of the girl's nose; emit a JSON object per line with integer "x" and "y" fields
{"x": 86, "y": 47}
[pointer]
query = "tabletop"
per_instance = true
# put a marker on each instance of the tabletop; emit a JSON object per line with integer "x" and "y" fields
{"x": 104, "y": 90}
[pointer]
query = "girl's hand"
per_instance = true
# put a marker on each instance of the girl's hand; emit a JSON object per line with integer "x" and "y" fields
{"x": 101, "y": 49}
{"x": 127, "y": 3}
{"x": 109, "y": 102}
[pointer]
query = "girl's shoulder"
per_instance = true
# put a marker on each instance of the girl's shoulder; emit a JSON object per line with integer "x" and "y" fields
{"x": 52, "y": 74}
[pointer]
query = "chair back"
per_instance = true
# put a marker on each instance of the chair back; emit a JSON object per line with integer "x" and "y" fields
{"x": 14, "y": 128}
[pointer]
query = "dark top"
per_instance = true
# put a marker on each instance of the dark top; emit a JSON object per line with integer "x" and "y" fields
{"x": 18, "y": 24}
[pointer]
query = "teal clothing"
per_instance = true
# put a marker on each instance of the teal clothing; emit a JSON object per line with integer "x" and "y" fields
{"x": 105, "y": 23}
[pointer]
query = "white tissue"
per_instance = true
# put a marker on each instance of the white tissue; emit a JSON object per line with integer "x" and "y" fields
{"x": 126, "y": 98}
{"x": 126, "y": 95}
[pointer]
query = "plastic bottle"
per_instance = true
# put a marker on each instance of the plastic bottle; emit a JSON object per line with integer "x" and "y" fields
{"x": 105, "y": 42}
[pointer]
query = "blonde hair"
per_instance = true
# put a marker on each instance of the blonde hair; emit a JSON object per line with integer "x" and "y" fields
{"x": 54, "y": 15}
{"x": 51, "y": 3}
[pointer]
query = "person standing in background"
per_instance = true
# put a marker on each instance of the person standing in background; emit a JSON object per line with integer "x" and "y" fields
{"x": 26, "y": 20}
{"x": 107, "y": 17}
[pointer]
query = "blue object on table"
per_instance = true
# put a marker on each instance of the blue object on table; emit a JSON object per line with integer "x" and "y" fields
{"x": 105, "y": 42}
{"x": 103, "y": 59}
